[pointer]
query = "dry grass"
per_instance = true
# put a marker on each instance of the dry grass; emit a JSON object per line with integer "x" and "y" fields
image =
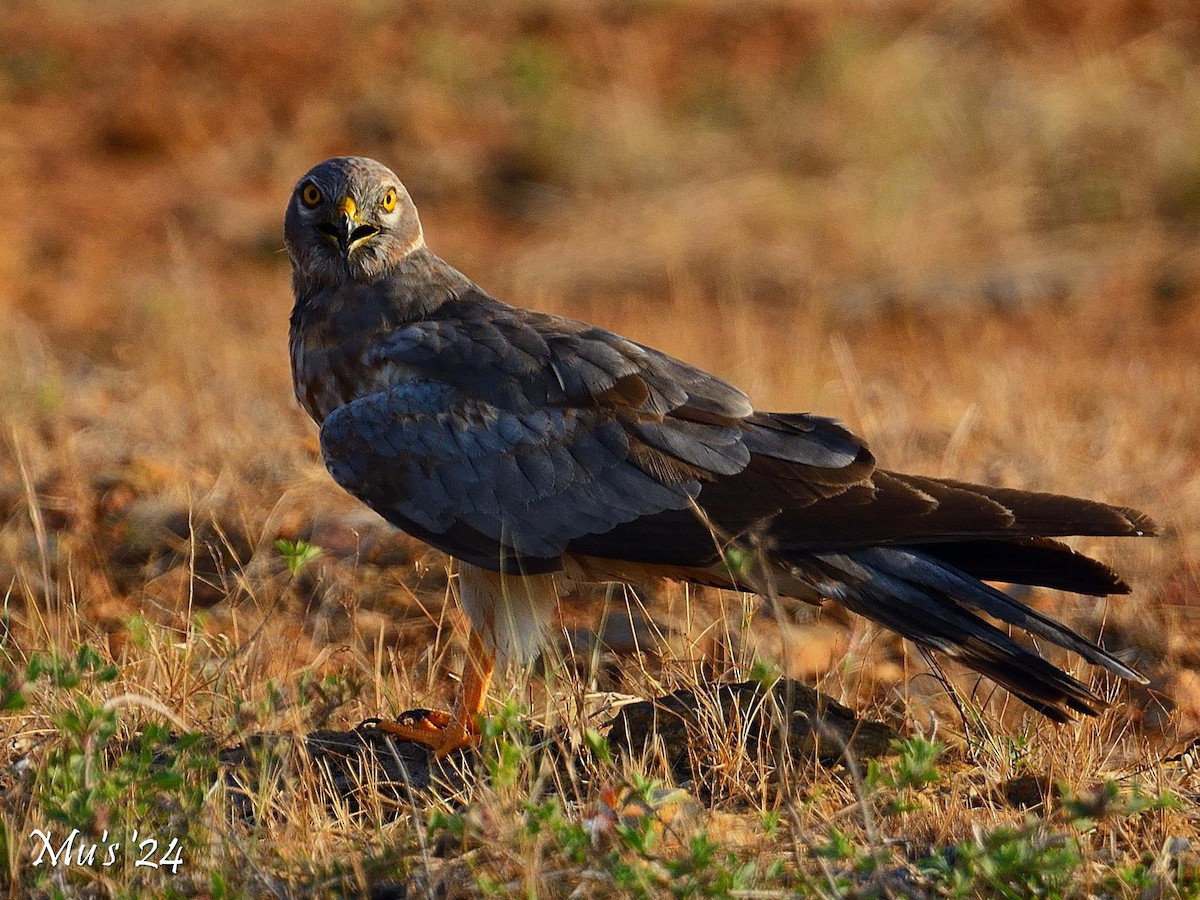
{"x": 971, "y": 233}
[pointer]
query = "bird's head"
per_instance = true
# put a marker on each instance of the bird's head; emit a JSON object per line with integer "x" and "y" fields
{"x": 349, "y": 217}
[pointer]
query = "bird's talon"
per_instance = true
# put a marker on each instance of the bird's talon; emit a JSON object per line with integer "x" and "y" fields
{"x": 435, "y": 718}
{"x": 436, "y": 729}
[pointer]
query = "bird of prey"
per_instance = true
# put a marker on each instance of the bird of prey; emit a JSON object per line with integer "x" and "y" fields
{"x": 532, "y": 448}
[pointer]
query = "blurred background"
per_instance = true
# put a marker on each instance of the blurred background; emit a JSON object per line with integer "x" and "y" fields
{"x": 970, "y": 230}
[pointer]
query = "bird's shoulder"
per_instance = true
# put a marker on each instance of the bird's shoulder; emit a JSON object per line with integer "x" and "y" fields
{"x": 486, "y": 346}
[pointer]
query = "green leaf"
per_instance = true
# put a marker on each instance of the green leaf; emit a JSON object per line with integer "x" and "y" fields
{"x": 297, "y": 553}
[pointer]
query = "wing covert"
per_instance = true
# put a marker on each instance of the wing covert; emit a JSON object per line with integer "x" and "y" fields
{"x": 495, "y": 432}
{"x": 531, "y": 482}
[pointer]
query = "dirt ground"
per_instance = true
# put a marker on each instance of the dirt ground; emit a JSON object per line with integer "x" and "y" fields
{"x": 971, "y": 233}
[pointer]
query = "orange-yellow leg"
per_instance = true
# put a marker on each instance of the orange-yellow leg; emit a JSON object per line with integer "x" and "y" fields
{"x": 444, "y": 732}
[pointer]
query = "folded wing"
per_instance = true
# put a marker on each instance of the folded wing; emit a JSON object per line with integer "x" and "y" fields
{"x": 510, "y": 439}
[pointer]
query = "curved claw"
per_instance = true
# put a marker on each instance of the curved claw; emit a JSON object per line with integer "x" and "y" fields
{"x": 436, "y": 729}
{"x": 441, "y": 731}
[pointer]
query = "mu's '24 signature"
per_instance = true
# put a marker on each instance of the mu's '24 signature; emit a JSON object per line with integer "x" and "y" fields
{"x": 76, "y": 850}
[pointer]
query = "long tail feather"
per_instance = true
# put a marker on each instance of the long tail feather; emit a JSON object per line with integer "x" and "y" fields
{"x": 1028, "y": 560}
{"x": 931, "y": 603}
{"x": 1034, "y": 513}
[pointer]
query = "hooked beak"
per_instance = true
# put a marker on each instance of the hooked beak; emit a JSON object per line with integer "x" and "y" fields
{"x": 347, "y": 229}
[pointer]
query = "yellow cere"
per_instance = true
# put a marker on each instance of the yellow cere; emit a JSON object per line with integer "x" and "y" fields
{"x": 347, "y": 207}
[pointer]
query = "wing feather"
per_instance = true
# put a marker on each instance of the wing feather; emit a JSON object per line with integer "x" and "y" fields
{"x": 537, "y": 432}
{"x": 418, "y": 454}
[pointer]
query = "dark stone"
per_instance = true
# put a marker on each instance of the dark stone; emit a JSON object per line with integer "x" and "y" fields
{"x": 815, "y": 726}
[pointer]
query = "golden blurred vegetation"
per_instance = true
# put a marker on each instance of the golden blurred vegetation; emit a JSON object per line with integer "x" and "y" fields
{"x": 970, "y": 230}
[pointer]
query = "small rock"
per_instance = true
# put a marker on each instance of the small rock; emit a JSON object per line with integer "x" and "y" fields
{"x": 1027, "y": 791}
{"x": 684, "y": 722}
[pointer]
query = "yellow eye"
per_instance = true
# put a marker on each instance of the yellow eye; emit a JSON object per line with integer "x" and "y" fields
{"x": 309, "y": 195}
{"x": 389, "y": 200}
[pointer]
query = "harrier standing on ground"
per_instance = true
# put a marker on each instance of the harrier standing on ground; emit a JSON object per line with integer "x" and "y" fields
{"x": 531, "y": 447}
